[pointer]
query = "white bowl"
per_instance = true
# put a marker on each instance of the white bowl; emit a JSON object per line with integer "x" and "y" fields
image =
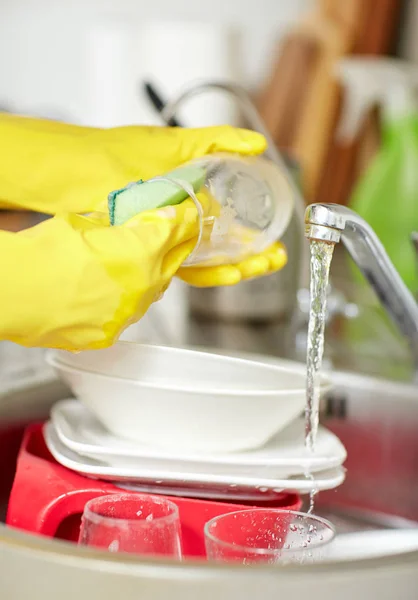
{"x": 183, "y": 399}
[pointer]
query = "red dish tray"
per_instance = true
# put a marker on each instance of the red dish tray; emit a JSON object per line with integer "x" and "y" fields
{"x": 49, "y": 499}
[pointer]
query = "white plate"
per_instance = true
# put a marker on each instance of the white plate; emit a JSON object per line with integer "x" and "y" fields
{"x": 184, "y": 400}
{"x": 284, "y": 455}
{"x": 133, "y": 471}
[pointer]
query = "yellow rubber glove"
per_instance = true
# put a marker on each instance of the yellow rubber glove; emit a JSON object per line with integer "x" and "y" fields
{"x": 73, "y": 282}
{"x": 273, "y": 259}
{"x": 52, "y": 167}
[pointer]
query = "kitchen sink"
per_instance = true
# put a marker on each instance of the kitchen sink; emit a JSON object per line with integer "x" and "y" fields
{"x": 376, "y": 419}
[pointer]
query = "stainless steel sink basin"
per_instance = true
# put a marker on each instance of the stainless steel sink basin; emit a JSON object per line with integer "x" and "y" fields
{"x": 377, "y": 420}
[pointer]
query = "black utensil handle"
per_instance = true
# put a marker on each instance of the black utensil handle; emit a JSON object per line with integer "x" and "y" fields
{"x": 158, "y": 103}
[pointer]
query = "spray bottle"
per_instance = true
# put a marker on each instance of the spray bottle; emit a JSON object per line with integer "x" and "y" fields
{"x": 386, "y": 195}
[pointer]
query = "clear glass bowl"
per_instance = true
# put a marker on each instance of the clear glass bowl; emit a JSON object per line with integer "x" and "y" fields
{"x": 267, "y": 535}
{"x": 133, "y": 523}
{"x": 251, "y": 206}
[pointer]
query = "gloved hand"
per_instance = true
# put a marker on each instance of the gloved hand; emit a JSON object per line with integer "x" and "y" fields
{"x": 52, "y": 167}
{"x": 271, "y": 260}
{"x": 73, "y": 282}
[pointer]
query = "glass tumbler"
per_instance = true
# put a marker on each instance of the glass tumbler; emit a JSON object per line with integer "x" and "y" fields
{"x": 133, "y": 523}
{"x": 251, "y": 204}
{"x": 265, "y": 535}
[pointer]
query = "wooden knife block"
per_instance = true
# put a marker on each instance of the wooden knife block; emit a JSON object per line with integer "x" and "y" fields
{"x": 302, "y": 100}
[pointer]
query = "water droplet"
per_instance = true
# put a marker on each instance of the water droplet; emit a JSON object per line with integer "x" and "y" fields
{"x": 150, "y": 517}
{"x": 293, "y": 527}
{"x": 263, "y": 489}
{"x": 113, "y": 546}
{"x": 139, "y": 513}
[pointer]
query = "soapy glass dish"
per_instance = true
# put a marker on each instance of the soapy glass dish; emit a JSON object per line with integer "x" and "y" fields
{"x": 251, "y": 206}
{"x": 267, "y": 535}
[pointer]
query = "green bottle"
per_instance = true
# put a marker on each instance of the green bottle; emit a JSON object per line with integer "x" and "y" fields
{"x": 386, "y": 196}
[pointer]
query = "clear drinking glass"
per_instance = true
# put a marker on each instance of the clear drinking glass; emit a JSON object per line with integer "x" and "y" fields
{"x": 251, "y": 203}
{"x": 265, "y": 535}
{"x": 134, "y": 523}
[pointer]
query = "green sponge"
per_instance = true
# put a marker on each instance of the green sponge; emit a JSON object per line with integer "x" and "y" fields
{"x": 142, "y": 195}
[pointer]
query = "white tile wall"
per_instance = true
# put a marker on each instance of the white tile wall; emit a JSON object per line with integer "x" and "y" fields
{"x": 44, "y": 46}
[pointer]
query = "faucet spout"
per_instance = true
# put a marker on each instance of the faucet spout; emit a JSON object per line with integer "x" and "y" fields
{"x": 333, "y": 223}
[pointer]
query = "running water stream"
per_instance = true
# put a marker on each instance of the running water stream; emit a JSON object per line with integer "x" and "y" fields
{"x": 321, "y": 255}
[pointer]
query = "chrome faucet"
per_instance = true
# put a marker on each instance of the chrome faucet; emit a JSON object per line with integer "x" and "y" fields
{"x": 332, "y": 223}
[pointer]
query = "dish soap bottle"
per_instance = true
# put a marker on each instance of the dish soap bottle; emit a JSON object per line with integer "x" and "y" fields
{"x": 386, "y": 195}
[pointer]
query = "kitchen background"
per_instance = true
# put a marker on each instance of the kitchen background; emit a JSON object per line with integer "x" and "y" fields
{"x": 82, "y": 60}
{"x": 86, "y": 62}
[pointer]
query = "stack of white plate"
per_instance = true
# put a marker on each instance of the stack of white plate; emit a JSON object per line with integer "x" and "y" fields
{"x": 186, "y": 422}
